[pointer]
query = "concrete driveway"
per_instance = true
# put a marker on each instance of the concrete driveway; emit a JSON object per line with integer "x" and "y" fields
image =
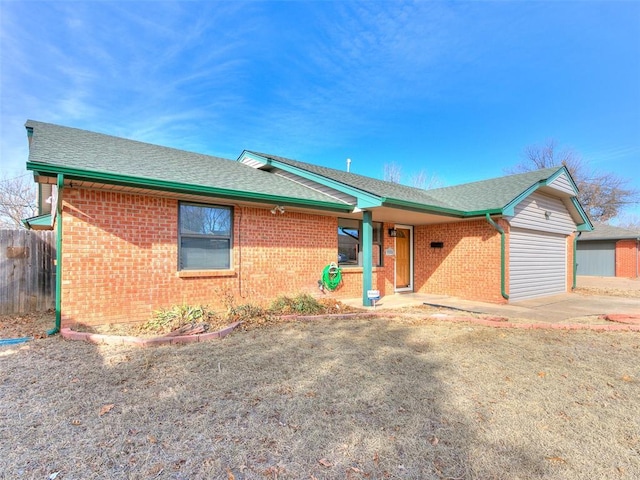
{"x": 553, "y": 309}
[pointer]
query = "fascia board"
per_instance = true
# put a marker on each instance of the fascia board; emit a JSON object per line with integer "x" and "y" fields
{"x": 364, "y": 199}
{"x": 177, "y": 187}
{"x": 587, "y": 225}
{"x": 420, "y": 207}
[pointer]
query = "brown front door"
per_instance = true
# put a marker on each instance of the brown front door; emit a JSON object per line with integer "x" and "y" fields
{"x": 403, "y": 258}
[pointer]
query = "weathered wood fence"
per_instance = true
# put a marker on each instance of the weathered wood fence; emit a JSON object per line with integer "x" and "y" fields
{"x": 27, "y": 271}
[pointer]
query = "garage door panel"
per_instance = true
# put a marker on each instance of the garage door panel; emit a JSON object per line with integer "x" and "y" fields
{"x": 596, "y": 258}
{"x": 537, "y": 264}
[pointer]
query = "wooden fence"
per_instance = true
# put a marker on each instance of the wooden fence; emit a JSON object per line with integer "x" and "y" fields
{"x": 27, "y": 271}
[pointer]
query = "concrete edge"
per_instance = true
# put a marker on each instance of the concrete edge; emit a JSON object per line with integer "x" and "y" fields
{"x": 99, "y": 339}
{"x": 620, "y": 325}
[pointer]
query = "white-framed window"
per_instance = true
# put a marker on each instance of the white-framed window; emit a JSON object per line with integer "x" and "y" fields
{"x": 350, "y": 243}
{"x": 205, "y": 237}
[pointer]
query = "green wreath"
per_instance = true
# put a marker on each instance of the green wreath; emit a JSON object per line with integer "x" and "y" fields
{"x": 331, "y": 276}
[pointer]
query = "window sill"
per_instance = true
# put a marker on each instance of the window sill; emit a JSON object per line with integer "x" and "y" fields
{"x": 206, "y": 273}
{"x": 359, "y": 269}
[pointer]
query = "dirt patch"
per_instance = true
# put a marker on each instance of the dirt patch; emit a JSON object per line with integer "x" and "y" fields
{"x": 34, "y": 324}
{"x": 327, "y": 399}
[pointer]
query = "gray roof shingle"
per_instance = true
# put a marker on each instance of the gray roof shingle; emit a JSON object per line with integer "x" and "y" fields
{"x": 602, "y": 231}
{"x": 95, "y": 152}
{"x": 492, "y": 194}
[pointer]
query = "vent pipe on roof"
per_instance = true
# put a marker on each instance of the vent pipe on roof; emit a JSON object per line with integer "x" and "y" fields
{"x": 348, "y": 164}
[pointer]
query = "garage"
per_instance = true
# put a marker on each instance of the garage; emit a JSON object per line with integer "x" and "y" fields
{"x": 537, "y": 264}
{"x": 609, "y": 251}
{"x": 596, "y": 258}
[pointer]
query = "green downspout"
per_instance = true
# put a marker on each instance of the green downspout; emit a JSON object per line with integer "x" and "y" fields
{"x": 575, "y": 260}
{"x": 502, "y": 262}
{"x": 367, "y": 255}
{"x": 56, "y": 328}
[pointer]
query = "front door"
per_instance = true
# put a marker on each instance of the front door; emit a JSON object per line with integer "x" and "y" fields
{"x": 403, "y": 259}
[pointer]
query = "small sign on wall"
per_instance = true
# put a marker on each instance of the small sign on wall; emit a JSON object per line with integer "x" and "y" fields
{"x": 389, "y": 252}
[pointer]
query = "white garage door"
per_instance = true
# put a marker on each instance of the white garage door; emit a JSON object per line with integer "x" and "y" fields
{"x": 537, "y": 264}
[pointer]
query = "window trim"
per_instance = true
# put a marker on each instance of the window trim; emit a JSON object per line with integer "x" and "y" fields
{"x": 199, "y": 270}
{"x": 379, "y": 243}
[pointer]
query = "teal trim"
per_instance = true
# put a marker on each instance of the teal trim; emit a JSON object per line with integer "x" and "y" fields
{"x": 419, "y": 207}
{"x": 168, "y": 186}
{"x": 42, "y": 221}
{"x": 586, "y": 225}
{"x": 363, "y": 199}
{"x": 560, "y": 171}
{"x": 509, "y": 209}
{"x": 56, "y": 328}
{"x": 367, "y": 255}
{"x": 503, "y": 290}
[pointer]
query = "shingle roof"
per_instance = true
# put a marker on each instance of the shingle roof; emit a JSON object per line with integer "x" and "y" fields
{"x": 491, "y": 194}
{"x": 371, "y": 185}
{"x": 72, "y": 148}
{"x": 89, "y": 151}
{"x": 485, "y": 195}
{"x": 602, "y": 231}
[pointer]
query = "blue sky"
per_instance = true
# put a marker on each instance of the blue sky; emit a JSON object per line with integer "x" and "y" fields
{"x": 457, "y": 89}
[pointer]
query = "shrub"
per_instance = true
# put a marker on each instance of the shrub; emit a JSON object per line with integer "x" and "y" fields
{"x": 166, "y": 320}
{"x": 302, "y": 303}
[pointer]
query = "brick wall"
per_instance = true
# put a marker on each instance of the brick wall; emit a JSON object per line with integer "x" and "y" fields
{"x": 627, "y": 258}
{"x": 469, "y": 264}
{"x": 120, "y": 256}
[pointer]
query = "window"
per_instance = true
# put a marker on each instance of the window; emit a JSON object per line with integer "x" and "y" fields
{"x": 350, "y": 243}
{"x": 204, "y": 237}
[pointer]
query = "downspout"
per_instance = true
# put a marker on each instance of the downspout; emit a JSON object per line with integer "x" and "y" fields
{"x": 56, "y": 328}
{"x": 575, "y": 260}
{"x": 502, "y": 255}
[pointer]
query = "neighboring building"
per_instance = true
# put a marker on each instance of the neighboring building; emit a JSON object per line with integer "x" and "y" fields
{"x": 143, "y": 227}
{"x": 609, "y": 251}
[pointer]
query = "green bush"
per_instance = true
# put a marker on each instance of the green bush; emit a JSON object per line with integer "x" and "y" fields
{"x": 166, "y": 320}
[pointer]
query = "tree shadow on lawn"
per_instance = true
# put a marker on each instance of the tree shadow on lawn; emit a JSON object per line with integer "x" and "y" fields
{"x": 323, "y": 399}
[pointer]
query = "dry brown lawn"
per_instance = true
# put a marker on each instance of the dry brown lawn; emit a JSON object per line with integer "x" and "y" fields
{"x": 327, "y": 399}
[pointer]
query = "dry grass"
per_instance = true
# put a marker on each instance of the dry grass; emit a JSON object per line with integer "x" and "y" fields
{"x": 329, "y": 399}
{"x": 608, "y": 292}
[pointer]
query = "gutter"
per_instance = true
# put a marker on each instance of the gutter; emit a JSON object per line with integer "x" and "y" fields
{"x": 71, "y": 173}
{"x": 56, "y": 328}
{"x": 502, "y": 255}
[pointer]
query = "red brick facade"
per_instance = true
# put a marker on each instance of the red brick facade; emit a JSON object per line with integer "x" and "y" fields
{"x": 120, "y": 258}
{"x": 467, "y": 266}
{"x": 627, "y": 258}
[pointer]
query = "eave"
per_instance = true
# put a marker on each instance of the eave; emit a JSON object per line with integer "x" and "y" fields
{"x": 45, "y": 169}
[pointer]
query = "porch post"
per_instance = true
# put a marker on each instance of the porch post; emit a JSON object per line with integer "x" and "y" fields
{"x": 367, "y": 255}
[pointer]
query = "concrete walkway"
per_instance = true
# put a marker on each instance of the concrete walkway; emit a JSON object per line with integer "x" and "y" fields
{"x": 553, "y": 309}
